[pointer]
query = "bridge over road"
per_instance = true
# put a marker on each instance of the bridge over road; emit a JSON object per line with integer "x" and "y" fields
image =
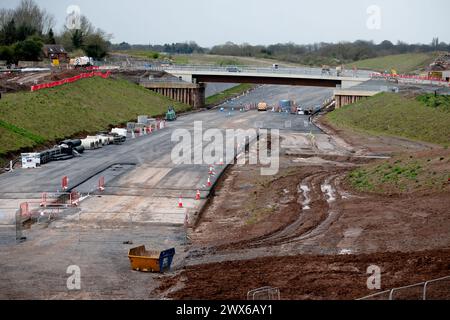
{"x": 280, "y": 76}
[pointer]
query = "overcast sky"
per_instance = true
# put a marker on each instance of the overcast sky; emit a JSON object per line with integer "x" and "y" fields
{"x": 210, "y": 22}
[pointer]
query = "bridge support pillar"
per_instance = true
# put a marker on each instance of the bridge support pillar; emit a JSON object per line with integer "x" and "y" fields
{"x": 192, "y": 94}
{"x": 346, "y": 97}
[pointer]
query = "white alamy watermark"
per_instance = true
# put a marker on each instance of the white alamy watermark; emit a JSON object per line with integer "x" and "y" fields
{"x": 374, "y": 19}
{"x": 74, "y": 280}
{"x": 228, "y": 146}
{"x": 374, "y": 280}
{"x": 73, "y": 17}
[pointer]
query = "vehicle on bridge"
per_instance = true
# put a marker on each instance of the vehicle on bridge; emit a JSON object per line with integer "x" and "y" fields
{"x": 326, "y": 70}
{"x": 233, "y": 69}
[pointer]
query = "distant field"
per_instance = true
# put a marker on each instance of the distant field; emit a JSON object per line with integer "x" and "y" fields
{"x": 206, "y": 59}
{"x": 394, "y": 115}
{"x": 28, "y": 119}
{"x": 229, "y": 60}
{"x": 224, "y": 95}
{"x": 403, "y": 63}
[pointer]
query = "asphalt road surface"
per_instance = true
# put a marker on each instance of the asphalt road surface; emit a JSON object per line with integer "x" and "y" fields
{"x": 140, "y": 205}
{"x": 154, "y": 152}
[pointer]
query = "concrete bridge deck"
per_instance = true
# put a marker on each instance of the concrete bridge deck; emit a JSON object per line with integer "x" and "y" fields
{"x": 280, "y": 76}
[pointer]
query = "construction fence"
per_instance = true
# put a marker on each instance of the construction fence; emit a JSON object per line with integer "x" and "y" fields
{"x": 71, "y": 80}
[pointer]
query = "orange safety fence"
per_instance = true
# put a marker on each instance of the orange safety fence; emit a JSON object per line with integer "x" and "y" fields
{"x": 406, "y": 76}
{"x": 71, "y": 80}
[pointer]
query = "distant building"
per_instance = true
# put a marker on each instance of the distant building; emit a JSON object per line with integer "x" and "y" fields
{"x": 440, "y": 68}
{"x": 55, "y": 51}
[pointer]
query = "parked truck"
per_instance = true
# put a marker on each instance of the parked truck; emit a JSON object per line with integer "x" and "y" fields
{"x": 81, "y": 62}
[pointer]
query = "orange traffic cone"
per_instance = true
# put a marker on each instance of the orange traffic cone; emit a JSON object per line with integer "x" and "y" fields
{"x": 209, "y": 182}
{"x": 180, "y": 203}
{"x": 211, "y": 170}
{"x": 197, "y": 196}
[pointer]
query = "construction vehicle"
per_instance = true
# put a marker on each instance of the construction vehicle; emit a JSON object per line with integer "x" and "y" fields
{"x": 312, "y": 110}
{"x": 262, "y": 106}
{"x": 171, "y": 114}
{"x": 81, "y": 62}
{"x": 286, "y": 105}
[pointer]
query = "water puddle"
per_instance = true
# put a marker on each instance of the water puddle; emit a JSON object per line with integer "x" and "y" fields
{"x": 345, "y": 252}
{"x": 329, "y": 192}
{"x": 307, "y": 200}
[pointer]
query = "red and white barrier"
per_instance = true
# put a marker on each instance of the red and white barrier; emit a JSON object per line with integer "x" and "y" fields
{"x": 74, "y": 198}
{"x": 43, "y": 200}
{"x": 70, "y": 80}
{"x": 24, "y": 209}
{"x": 101, "y": 184}
{"x": 65, "y": 183}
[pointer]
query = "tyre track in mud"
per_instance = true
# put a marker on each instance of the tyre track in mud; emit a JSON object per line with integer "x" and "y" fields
{"x": 318, "y": 196}
{"x": 322, "y": 205}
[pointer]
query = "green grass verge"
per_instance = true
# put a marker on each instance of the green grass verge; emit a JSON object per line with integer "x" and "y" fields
{"x": 438, "y": 102}
{"x": 28, "y": 119}
{"x": 403, "y": 174}
{"x": 146, "y": 54}
{"x": 394, "y": 115}
{"x": 227, "y": 94}
{"x": 24, "y": 133}
{"x": 403, "y": 63}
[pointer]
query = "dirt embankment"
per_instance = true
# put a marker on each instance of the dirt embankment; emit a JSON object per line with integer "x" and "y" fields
{"x": 309, "y": 232}
{"x": 306, "y": 277}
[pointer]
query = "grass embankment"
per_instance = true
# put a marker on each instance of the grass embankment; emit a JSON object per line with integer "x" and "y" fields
{"x": 426, "y": 118}
{"x": 402, "y": 63}
{"x": 227, "y": 94}
{"x": 31, "y": 119}
{"x": 404, "y": 174}
{"x": 394, "y": 115}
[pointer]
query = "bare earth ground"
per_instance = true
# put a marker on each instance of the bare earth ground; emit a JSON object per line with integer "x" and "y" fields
{"x": 307, "y": 232}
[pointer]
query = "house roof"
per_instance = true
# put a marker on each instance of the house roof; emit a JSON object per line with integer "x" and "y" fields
{"x": 54, "y": 48}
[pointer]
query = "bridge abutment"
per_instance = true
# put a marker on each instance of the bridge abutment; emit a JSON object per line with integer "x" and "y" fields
{"x": 192, "y": 94}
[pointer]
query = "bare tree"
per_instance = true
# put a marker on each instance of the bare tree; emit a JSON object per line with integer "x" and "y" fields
{"x": 28, "y": 13}
{"x": 5, "y": 17}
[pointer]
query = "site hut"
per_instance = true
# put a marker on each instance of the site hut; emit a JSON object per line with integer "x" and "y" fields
{"x": 55, "y": 52}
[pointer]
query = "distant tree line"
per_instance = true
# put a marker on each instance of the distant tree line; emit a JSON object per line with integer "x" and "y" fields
{"x": 25, "y": 29}
{"x": 310, "y": 54}
{"x": 327, "y": 53}
{"x": 170, "y": 48}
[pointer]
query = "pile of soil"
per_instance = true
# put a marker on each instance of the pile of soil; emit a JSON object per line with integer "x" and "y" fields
{"x": 307, "y": 277}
